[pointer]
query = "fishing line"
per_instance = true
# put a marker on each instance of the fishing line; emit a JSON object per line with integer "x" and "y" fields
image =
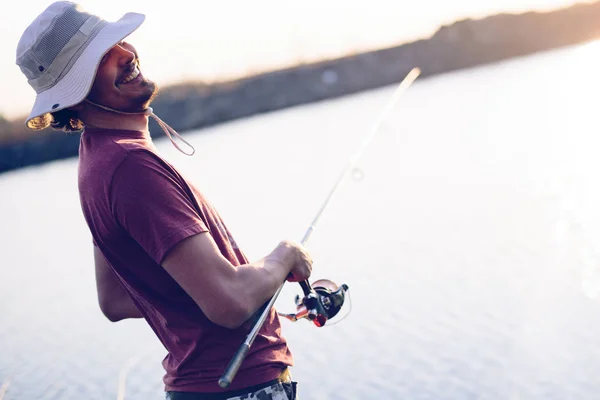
{"x": 124, "y": 372}
{"x": 405, "y": 84}
{"x": 4, "y": 388}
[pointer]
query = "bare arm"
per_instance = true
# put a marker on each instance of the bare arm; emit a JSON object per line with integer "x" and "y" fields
{"x": 229, "y": 295}
{"x": 115, "y": 302}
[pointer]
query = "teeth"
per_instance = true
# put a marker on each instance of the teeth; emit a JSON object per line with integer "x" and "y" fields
{"x": 131, "y": 76}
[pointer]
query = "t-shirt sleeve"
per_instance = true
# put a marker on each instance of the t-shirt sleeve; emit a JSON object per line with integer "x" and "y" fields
{"x": 152, "y": 202}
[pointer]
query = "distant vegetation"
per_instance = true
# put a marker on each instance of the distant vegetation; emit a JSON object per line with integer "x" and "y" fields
{"x": 463, "y": 44}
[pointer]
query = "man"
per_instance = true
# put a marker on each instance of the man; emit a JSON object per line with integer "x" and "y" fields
{"x": 161, "y": 250}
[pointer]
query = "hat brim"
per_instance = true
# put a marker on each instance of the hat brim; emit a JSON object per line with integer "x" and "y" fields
{"x": 73, "y": 88}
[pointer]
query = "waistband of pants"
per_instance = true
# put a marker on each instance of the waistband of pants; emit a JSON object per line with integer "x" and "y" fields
{"x": 285, "y": 377}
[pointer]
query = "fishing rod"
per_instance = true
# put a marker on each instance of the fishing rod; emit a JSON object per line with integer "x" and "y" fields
{"x": 323, "y": 300}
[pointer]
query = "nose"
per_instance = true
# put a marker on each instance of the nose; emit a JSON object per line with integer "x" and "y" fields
{"x": 125, "y": 56}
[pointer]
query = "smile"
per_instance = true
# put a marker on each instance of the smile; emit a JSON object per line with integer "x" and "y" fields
{"x": 134, "y": 74}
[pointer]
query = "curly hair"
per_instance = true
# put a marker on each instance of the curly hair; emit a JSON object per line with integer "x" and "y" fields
{"x": 66, "y": 120}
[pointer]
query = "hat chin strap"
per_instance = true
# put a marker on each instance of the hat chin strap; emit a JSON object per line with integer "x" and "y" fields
{"x": 164, "y": 126}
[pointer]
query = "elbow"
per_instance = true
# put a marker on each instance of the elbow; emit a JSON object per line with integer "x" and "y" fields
{"x": 110, "y": 312}
{"x": 113, "y": 317}
{"x": 229, "y": 314}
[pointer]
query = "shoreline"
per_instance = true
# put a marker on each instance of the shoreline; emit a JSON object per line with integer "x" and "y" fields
{"x": 463, "y": 44}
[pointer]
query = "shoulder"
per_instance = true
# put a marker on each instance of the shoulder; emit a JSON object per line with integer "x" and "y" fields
{"x": 144, "y": 173}
{"x": 144, "y": 161}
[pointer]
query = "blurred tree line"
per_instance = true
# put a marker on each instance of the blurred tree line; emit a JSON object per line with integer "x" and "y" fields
{"x": 462, "y": 44}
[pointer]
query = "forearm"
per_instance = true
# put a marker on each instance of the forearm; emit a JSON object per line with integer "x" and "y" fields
{"x": 228, "y": 294}
{"x": 255, "y": 283}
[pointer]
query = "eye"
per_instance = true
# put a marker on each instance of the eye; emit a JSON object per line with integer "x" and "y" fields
{"x": 104, "y": 58}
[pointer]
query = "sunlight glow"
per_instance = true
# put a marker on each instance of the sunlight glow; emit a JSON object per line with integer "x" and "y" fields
{"x": 215, "y": 40}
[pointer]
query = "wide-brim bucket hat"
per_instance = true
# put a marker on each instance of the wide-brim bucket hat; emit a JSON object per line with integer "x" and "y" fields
{"x": 60, "y": 51}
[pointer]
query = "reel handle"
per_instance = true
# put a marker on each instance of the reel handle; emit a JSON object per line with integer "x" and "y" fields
{"x": 306, "y": 288}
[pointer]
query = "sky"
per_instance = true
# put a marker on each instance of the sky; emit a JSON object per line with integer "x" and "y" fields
{"x": 214, "y": 40}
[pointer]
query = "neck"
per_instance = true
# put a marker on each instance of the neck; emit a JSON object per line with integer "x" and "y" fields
{"x": 98, "y": 116}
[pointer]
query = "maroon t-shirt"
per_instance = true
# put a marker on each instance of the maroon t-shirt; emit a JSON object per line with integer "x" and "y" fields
{"x": 138, "y": 207}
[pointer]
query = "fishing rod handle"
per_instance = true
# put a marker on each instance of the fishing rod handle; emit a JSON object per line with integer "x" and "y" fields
{"x": 234, "y": 365}
{"x": 238, "y": 358}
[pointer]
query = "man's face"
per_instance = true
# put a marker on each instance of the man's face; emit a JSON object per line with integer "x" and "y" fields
{"x": 119, "y": 83}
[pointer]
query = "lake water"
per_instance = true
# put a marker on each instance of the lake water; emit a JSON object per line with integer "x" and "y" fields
{"x": 469, "y": 244}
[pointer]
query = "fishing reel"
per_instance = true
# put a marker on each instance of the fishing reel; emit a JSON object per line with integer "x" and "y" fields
{"x": 320, "y": 303}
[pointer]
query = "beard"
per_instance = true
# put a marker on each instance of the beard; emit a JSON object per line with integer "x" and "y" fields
{"x": 143, "y": 100}
{"x": 133, "y": 101}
